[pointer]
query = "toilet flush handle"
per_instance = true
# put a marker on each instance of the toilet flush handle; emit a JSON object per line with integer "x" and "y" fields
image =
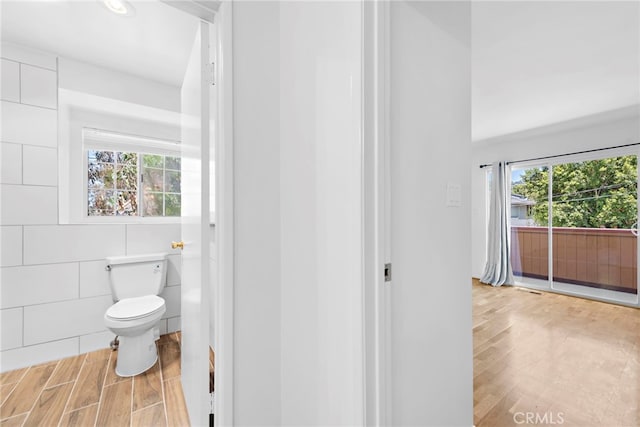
{"x": 175, "y": 245}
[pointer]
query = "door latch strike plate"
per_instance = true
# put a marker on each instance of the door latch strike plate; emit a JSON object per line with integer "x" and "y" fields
{"x": 387, "y": 272}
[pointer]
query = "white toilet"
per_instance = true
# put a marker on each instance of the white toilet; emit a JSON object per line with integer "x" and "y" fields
{"x": 136, "y": 281}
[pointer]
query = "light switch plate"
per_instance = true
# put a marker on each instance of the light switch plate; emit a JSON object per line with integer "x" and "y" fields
{"x": 454, "y": 195}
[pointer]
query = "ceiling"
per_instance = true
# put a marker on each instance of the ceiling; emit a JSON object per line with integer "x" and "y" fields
{"x": 155, "y": 43}
{"x": 533, "y": 62}
{"x": 536, "y": 63}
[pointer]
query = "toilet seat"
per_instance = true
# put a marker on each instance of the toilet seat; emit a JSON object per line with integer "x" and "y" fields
{"x": 136, "y": 308}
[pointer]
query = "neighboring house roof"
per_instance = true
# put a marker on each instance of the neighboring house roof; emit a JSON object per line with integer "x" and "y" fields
{"x": 518, "y": 200}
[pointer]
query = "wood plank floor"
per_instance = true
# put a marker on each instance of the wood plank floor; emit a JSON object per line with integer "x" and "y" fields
{"x": 84, "y": 390}
{"x": 556, "y": 357}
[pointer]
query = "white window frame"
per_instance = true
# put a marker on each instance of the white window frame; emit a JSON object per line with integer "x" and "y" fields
{"x": 100, "y": 140}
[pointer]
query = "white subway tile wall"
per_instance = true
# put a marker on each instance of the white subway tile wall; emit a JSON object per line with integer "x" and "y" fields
{"x": 54, "y": 289}
{"x": 162, "y": 325}
{"x": 10, "y": 73}
{"x": 143, "y": 239}
{"x": 11, "y": 328}
{"x": 94, "y": 279}
{"x": 28, "y": 204}
{"x": 66, "y": 243}
{"x": 174, "y": 270}
{"x": 173, "y": 324}
{"x": 10, "y": 245}
{"x": 35, "y": 354}
{"x": 97, "y": 341}
{"x": 38, "y": 284}
{"x": 171, "y": 297}
{"x": 26, "y": 124}
{"x": 11, "y": 156}
{"x": 40, "y": 166}
{"x": 38, "y": 86}
{"x": 66, "y": 319}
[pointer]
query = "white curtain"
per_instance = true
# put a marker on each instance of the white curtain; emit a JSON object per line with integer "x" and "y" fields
{"x": 498, "y": 270}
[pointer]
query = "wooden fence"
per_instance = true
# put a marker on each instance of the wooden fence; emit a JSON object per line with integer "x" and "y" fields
{"x": 597, "y": 257}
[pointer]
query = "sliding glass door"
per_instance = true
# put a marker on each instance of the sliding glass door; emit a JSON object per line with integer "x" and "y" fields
{"x": 530, "y": 224}
{"x": 594, "y": 216}
{"x": 573, "y": 227}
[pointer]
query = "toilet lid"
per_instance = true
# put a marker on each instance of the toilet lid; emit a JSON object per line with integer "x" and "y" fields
{"x": 135, "y": 308}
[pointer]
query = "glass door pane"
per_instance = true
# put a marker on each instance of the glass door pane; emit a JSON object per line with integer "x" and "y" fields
{"x": 529, "y": 225}
{"x": 594, "y": 210}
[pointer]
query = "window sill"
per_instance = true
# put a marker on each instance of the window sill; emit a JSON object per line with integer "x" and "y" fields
{"x": 124, "y": 220}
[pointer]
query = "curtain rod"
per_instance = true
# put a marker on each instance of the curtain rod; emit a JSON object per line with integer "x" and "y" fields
{"x": 566, "y": 154}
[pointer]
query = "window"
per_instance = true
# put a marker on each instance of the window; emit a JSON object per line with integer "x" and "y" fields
{"x": 131, "y": 176}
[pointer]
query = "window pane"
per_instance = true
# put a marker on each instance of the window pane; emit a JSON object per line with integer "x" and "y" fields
{"x": 152, "y": 179}
{"x": 172, "y": 204}
{"x": 100, "y": 175}
{"x": 101, "y": 156}
{"x": 101, "y": 203}
{"x": 127, "y": 177}
{"x": 127, "y": 158}
{"x": 153, "y": 204}
{"x": 126, "y": 203}
{"x": 152, "y": 161}
{"x": 172, "y": 182}
{"x": 529, "y": 224}
{"x": 595, "y": 211}
{"x": 172, "y": 163}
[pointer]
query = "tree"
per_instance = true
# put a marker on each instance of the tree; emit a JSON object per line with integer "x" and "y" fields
{"x": 591, "y": 194}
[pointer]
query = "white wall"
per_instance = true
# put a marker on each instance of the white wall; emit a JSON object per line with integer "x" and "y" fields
{"x": 431, "y": 328}
{"x": 297, "y": 173}
{"x": 257, "y": 294}
{"x": 320, "y": 213}
{"x": 88, "y": 78}
{"x": 54, "y": 286}
{"x": 603, "y": 130}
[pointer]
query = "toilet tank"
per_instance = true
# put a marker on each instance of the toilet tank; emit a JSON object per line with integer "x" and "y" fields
{"x": 137, "y": 275}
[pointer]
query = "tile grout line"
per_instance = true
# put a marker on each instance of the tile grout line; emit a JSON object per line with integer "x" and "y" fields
{"x": 30, "y": 105}
{"x": 75, "y": 383}
{"x": 35, "y": 402}
{"x": 80, "y": 408}
{"x": 22, "y": 260}
{"x": 164, "y": 398}
{"x": 16, "y": 385}
{"x": 21, "y": 164}
{"x": 16, "y": 416}
{"x": 147, "y": 407}
{"x": 19, "y": 82}
{"x": 104, "y": 380}
{"x": 4, "y": 398}
{"x": 131, "y": 402}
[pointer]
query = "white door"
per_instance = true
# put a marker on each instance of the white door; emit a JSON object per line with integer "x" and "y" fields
{"x": 196, "y": 142}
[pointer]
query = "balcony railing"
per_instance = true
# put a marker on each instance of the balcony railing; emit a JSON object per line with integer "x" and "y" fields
{"x": 597, "y": 257}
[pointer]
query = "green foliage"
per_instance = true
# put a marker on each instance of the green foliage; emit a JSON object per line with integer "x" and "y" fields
{"x": 153, "y": 161}
{"x": 592, "y": 194}
{"x": 113, "y": 184}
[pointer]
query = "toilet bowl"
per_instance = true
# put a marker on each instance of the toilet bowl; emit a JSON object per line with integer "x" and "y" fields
{"x": 135, "y": 283}
{"x": 133, "y": 320}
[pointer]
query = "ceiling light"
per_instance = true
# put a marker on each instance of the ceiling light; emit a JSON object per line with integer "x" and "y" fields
{"x": 120, "y": 7}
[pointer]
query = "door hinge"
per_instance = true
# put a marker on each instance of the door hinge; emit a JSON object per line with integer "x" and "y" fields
{"x": 387, "y": 272}
{"x": 211, "y": 74}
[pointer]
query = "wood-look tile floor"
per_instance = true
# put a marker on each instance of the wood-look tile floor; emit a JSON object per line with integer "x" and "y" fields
{"x": 85, "y": 391}
{"x": 564, "y": 358}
